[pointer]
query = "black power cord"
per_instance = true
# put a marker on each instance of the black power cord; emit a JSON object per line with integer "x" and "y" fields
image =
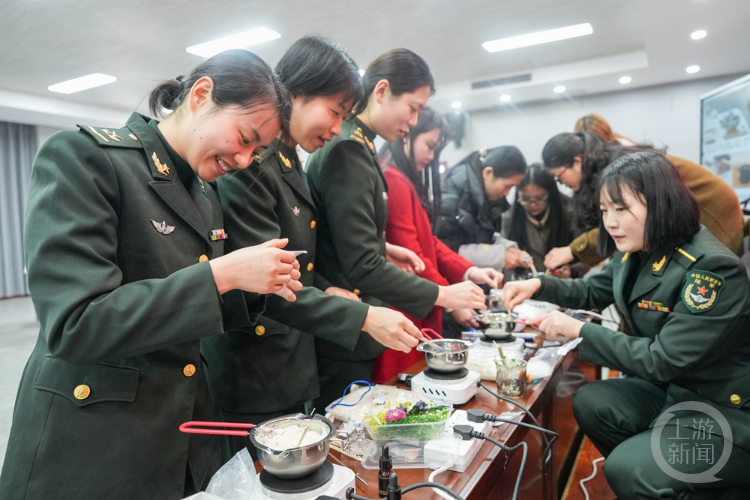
{"x": 547, "y": 443}
{"x": 467, "y": 432}
{"x": 477, "y": 416}
{"x": 395, "y": 492}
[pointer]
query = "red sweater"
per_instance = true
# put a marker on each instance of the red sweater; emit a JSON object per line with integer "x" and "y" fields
{"x": 409, "y": 226}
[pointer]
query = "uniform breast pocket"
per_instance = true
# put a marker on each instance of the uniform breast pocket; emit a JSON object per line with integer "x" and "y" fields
{"x": 88, "y": 384}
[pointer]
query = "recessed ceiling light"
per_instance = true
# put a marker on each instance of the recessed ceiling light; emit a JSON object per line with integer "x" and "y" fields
{"x": 82, "y": 83}
{"x": 559, "y": 89}
{"x": 238, "y": 41}
{"x": 693, "y": 69}
{"x": 529, "y": 39}
{"x": 456, "y": 104}
{"x": 505, "y": 97}
{"x": 361, "y": 72}
{"x": 625, "y": 80}
{"x": 697, "y": 35}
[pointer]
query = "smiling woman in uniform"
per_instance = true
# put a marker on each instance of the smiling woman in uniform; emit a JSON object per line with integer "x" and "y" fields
{"x": 271, "y": 199}
{"x": 686, "y": 298}
{"x": 124, "y": 244}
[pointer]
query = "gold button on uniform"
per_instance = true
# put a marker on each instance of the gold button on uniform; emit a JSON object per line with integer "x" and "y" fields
{"x": 260, "y": 330}
{"x": 189, "y": 370}
{"x": 82, "y": 391}
{"x": 310, "y": 266}
{"x": 356, "y": 291}
{"x": 203, "y": 258}
{"x": 312, "y": 224}
{"x": 735, "y": 399}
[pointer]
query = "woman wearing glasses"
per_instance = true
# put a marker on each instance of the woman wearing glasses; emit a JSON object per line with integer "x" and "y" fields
{"x": 540, "y": 218}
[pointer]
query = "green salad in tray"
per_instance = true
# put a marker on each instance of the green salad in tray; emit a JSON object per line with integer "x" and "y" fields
{"x": 407, "y": 420}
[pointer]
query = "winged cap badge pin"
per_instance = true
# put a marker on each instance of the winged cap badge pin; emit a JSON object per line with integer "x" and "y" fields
{"x": 162, "y": 227}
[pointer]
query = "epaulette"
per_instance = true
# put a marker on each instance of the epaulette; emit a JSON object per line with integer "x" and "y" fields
{"x": 358, "y": 136}
{"x": 120, "y": 137}
{"x": 687, "y": 255}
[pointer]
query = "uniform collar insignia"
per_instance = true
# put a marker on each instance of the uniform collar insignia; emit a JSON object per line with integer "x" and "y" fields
{"x": 370, "y": 144}
{"x": 162, "y": 226}
{"x": 656, "y": 266}
{"x": 285, "y": 160}
{"x": 132, "y": 136}
{"x": 625, "y": 257}
{"x": 162, "y": 168}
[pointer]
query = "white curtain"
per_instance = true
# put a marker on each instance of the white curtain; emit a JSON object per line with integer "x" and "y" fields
{"x": 17, "y": 149}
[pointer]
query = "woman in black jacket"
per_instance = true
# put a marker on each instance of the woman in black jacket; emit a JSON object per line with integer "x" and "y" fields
{"x": 472, "y": 205}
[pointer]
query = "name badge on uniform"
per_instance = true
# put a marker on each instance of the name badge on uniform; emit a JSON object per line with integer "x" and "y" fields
{"x": 218, "y": 234}
{"x": 654, "y": 306}
{"x": 295, "y": 211}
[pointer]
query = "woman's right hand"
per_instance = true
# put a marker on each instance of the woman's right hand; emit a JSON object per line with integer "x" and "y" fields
{"x": 264, "y": 268}
{"x": 515, "y": 292}
{"x": 391, "y": 328}
{"x": 557, "y": 257}
{"x": 464, "y": 295}
{"x": 516, "y": 258}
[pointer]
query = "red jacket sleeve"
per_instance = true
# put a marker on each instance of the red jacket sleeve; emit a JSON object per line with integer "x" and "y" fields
{"x": 401, "y": 228}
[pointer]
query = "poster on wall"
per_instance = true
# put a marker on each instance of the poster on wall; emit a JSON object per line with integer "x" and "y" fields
{"x": 725, "y": 134}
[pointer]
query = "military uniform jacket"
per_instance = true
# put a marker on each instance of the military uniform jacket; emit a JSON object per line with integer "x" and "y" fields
{"x": 117, "y": 259}
{"x": 351, "y": 194}
{"x": 689, "y": 311}
{"x": 274, "y": 367}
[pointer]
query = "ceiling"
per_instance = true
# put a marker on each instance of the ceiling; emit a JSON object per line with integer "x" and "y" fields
{"x": 43, "y": 42}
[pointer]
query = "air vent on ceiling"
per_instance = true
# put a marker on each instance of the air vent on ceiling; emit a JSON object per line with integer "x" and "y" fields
{"x": 501, "y": 81}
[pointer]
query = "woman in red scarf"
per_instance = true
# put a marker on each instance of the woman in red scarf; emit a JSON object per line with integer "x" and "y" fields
{"x": 409, "y": 166}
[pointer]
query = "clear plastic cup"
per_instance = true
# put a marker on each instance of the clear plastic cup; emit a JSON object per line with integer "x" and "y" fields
{"x": 511, "y": 377}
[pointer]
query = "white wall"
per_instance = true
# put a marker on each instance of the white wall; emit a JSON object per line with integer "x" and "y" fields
{"x": 663, "y": 115}
{"x": 43, "y": 133}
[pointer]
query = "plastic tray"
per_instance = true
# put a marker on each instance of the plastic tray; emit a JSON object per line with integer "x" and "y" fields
{"x": 429, "y": 430}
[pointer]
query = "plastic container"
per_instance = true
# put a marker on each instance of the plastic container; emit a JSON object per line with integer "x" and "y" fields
{"x": 390, "y": 431}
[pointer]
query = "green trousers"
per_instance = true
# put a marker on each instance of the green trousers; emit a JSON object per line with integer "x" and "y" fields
{"x": 616, "y": 414}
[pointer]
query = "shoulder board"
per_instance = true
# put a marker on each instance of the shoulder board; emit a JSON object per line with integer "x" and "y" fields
{"x": 687, "y": 255}
{"x": 117, "y": 137}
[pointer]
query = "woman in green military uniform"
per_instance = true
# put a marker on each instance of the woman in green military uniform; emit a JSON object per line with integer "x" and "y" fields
{"x": 686, "y": 298}
{"x": 271, "y": 199}
{"x": 351, "y": 196}
{"x": 124, "y": 240}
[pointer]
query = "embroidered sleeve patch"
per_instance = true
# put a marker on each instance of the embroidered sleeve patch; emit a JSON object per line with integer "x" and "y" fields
{"x": 701, "y": 290}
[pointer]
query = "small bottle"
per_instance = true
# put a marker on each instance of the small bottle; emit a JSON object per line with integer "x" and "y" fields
{"x": 385, "y": 471}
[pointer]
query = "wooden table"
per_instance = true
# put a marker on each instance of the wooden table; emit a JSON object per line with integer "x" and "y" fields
{"x": 492, "y": 474}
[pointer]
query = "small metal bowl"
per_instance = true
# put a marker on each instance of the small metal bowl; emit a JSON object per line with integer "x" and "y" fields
{"x": 452, "y": 358}
{"x": 295, "y": 462}
{"x": 497, "y": 325}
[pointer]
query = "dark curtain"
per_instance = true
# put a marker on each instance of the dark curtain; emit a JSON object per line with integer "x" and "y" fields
{"x": 17, "y": 149}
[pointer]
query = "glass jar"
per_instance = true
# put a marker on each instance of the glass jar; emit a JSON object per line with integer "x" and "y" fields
{"x": 511, "y": 377}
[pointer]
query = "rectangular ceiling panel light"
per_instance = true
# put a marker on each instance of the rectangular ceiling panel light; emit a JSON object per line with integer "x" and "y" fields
{"x": 238, "y": 41}
{"x": 82, "y": 83}
{"x": 539, "y": 37}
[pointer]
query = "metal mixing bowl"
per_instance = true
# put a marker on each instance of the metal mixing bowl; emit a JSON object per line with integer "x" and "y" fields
{"x": 295, "y": 462}
{"x": 497, "y": 325}
{"x": 452, "y": 358}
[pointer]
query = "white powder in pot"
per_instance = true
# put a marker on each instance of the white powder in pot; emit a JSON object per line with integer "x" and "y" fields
{"x": 287, "y": 437}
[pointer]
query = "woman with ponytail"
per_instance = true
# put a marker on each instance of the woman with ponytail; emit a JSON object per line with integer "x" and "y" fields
{"x": 351, "y": 196}
{"x": 124, "y": 245}
{"x": 577, "y": 160}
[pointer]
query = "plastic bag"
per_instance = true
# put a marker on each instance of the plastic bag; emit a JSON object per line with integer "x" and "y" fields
{"x": 236, "y": 478}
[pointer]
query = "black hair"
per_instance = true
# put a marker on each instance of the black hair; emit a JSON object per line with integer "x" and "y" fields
{"x": 672, "y": 213}
{"x": 404, "y": 70}
{"x": 240, "y": 78}
{"x": 428, "y": 180}
{"x": 506, "y": 162}
{"x": 557, "y": 222}
{"x": 316, "y": 66}
{"x": 596, "y": 155}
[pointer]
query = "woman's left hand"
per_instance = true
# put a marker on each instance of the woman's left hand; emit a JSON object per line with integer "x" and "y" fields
{"x": 557, "y": 257}
{"x": 486, "y": 275}
{"x": 557, "y": 323}
{"x": 404, "y": 259}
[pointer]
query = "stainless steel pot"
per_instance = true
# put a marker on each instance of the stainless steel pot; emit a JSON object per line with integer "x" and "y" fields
{"x": 452, "y": 358}
{"x": 497, "y": 325}
{"x": 295, "y": 462}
